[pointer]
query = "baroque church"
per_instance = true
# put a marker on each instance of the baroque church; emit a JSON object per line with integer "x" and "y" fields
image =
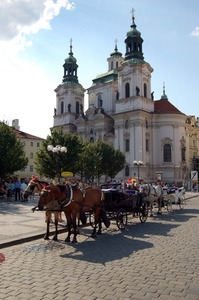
{"x": 159, "y": 141}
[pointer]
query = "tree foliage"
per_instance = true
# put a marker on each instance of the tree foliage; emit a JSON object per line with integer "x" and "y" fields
{"x": 82, "y": 158}
{"x": 12, "y": 154}
{"x": 50, "y": 165}
{"x": 103, "y": 159}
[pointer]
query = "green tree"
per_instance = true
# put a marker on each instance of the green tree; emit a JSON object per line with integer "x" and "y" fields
{"x": 102, "y": 159}
{"x": 12, "y": 154}
{"x": 51, "y": 165}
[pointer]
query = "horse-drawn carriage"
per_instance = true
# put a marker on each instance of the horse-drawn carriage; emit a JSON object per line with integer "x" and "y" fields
{"x": 173, "y": 196}
{"x": 119, "y": 204}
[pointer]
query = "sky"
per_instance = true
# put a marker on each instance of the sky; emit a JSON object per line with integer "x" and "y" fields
{"x": 35, "y": 40}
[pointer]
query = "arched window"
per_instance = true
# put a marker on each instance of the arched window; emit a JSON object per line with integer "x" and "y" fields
{"x": 126, "y": 170}
{"x": 77, "y": 108}
{"x": 62, "y": 107}
{"x": 145, "y": 90}
{"x": 127, "y": 90}
{"x": 100, "y": 102}
{"x": 167, "y": 153}
{"x": 127, "y": 145}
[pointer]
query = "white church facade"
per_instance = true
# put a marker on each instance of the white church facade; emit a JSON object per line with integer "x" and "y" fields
{"x": 123, "y": 112}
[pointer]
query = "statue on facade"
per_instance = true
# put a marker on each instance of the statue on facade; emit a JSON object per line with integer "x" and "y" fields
{"x": 69, "y": 107}
{"x": 137, "y": 91}
{"x": 152, "y": 96}
{"x": 55, "y": 111}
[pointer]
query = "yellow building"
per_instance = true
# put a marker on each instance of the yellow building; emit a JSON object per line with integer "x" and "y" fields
{"x": 31, "y": 146}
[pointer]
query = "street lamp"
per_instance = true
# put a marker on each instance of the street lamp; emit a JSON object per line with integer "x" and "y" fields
{"x": 138, "y": 163}
{"x": 57, "y": 151}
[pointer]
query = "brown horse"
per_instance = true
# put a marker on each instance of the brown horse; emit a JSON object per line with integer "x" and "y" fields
{"x": 73, "y": 202}
{"x": 34, "y": 186}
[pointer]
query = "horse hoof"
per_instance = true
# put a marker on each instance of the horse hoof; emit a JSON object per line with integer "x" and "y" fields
{"x": 93, "y": 235}
{"x": 99, "y": 233}
{"x": 67, "y": 240}
{"x": 46, "y": 238}
{"x": 74, "y": 241}
{"x": 151, "y": 215}
{"x": 55, "y": 239}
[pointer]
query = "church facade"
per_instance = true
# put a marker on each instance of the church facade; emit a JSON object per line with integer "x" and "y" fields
{"x": 159, "y": 141}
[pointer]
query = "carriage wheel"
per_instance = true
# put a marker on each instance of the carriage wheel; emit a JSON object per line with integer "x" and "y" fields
{"x": 143, "y": 214}
{"x": 121, "y": 218}
{"x": 169, "y": 206}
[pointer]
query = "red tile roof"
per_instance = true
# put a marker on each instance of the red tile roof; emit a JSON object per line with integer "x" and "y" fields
{"x": 163, "y": 106}
{"x": 24, "y": 135}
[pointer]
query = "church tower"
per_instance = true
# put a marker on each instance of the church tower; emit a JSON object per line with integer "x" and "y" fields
{"x": 69, "y": 96}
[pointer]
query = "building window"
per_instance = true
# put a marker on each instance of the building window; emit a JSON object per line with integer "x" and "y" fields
{"x": 100, "y": 102}
{"x": 127, "y": 170}
{"x": 23, "y": 143}
{"x": 145, "y": 90}
{"x": 147, "y": 145}
{"x": 31, "y": 154}
{"x": 23, "y": 170}
{"x": 127, "y": 145}
{"x": 167, "y": 153}
{"x": 62, "y": 107}
{"x": 127, "y": 90}
{"x": 92, "y": 140}
{"x": 31, "y": 144}
{"x": 31, "y": 168}
{"x": 116, "y": 64}
{"x": 38, "y": 144}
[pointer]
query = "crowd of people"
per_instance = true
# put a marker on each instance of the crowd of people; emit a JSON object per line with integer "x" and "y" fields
{"x": 13, "y": 189}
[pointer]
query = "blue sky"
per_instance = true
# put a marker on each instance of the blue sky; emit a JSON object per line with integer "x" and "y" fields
{"x": 35, "y": 40}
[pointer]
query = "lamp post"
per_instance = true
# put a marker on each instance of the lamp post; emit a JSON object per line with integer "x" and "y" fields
{"x": 57, "y": 151}
{"x": 138, "y": 163}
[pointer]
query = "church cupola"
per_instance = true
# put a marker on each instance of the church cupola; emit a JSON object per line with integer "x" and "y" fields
{"x": 70, "y": 68}
{"x": 115, "y": 60}
{"x": 164, "y": 96}
{"x": 133, "y": 42}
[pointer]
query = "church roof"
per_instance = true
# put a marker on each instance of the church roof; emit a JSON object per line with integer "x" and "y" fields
{"x": 163, "y": 106}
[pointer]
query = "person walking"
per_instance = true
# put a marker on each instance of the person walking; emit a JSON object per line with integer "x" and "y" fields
{"x": 23, "y": 187}
{"x": 17, "y": 190}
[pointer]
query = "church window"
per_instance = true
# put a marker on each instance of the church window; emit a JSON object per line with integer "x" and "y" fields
{"x": 127, "y": 145}
{"x": 145, "y": 90}
{"x": 77, "y": 108}
{"x": 167, "y": 153}
{"x": 112, "y": 65}
{"x": 126, "y": 170}
{"x": 129, "y": 47}
{"x": 127, "y": 90}
{"x": 62, "y": 107}
{"x": 147, "y": 145}
{"x": 100, "y": 102}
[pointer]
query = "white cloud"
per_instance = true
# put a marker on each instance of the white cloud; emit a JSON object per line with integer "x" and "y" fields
{"x": 25, "y": 88}
{"x": 19, "y": 18}
{"x": 195, "y": 32}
